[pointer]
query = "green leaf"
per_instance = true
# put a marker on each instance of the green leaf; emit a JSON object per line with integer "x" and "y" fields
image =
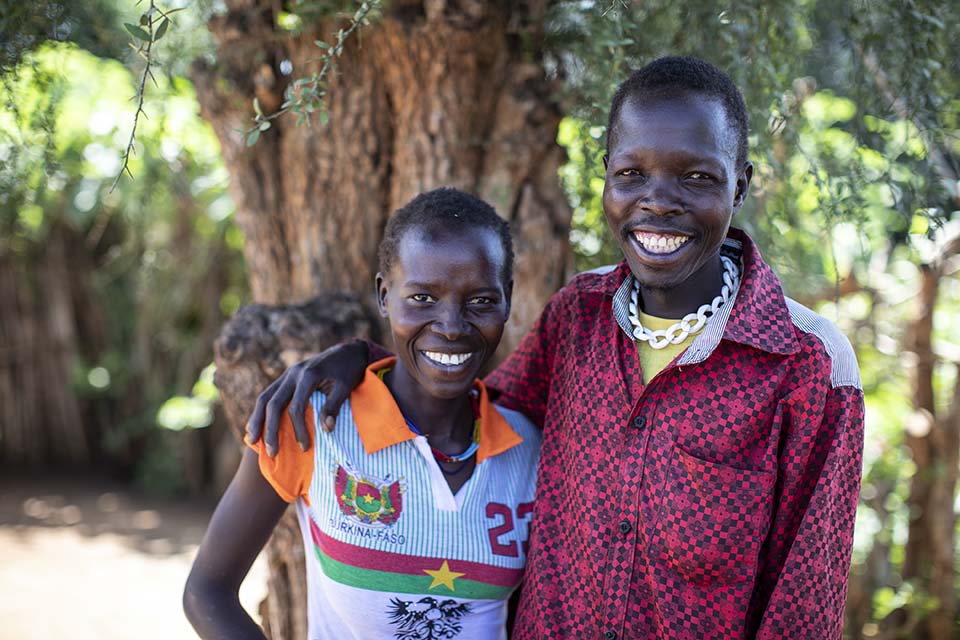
{"x": 184, "y": 412}
{"x": 137, "y": 32}
{"x": 204, "y": 388}
{"x": 144, "y": 20}
{"x": 253, "y": 137}
{"x": 162, "y": 29}
{"x": 264, "y": 125}
{"x": 324, "y": 117}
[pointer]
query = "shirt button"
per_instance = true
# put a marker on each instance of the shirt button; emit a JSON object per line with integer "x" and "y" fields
{"x": 625, "y": 527}
{"x": 610, "y": 635}
{"x": 639, "y": 422}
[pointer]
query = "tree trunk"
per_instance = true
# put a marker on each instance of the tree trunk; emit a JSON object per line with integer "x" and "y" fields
{"x": 40, "y": 420}
{"x": 432, "y": 93}
{"x": 934, "y": 442}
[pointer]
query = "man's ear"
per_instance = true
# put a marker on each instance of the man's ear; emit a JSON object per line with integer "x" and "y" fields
{"x": 508, "y": 296}
{"x": 606, "y": 160}
{"x": 381, "y": 285}
{"x": 743, "y": 185}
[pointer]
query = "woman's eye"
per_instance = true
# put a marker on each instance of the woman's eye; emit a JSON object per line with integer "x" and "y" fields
{"x": 421, "y": 297}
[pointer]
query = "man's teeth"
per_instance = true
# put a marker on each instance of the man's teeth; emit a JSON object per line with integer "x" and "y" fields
{"x": 454, "y": 359}
{"x": 656, "y": 243}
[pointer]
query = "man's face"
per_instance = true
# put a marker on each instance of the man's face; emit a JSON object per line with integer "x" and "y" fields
{"x": 672, "y": 186}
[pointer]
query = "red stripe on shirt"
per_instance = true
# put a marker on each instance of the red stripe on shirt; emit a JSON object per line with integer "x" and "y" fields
{"x": 414, "y": 565}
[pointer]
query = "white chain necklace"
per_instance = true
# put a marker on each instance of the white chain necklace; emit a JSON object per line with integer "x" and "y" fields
{"x": 692, "y": 322}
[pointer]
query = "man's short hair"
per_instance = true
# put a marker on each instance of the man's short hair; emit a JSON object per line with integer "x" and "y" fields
{"x": 675, "y": 76}
{"x": 444, "y": 210}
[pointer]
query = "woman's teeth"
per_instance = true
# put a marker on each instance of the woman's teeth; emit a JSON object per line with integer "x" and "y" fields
{"x": 454, "y": 359}
{"x": 657, "y": 243}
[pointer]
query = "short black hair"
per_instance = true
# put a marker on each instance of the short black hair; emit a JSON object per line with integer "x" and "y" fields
{"x": 444, "y": 210}
{"x": 674, "y": 76}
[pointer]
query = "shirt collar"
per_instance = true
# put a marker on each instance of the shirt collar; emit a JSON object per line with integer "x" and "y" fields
{"x": 380, "y": 423}
{"x": 756, "y": 315}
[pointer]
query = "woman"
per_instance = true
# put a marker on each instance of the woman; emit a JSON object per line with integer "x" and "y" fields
{"x": 414, "y": 522}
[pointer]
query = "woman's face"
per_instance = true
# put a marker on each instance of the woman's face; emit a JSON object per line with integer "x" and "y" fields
{"x": 447, "y": 303}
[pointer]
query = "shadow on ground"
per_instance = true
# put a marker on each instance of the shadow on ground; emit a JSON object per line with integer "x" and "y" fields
{"x": 94, "y": 507}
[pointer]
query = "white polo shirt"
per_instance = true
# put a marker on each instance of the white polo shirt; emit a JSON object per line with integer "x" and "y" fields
{"x": 391, "y": 551}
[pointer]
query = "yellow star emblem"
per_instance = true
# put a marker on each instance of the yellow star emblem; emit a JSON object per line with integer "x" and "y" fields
{"x": 368, "y": 498}
{"x": 443, "y": 576}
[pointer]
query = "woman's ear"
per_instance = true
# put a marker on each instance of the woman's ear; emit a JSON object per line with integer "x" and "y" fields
{"x": 508, "y": 296}
{"x": 382, "y": 287}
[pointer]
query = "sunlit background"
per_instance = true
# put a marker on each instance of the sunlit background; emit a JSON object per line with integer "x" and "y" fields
{"x": 113, "y": 444}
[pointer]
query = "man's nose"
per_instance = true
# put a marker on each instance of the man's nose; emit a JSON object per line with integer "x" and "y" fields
{"x": 662, "y": 196}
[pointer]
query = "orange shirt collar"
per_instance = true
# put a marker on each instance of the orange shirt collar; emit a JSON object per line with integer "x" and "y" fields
{"x": 380, "y": 423}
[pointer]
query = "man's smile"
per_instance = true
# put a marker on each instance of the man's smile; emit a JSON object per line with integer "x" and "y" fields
{"x": 659, "y": 243}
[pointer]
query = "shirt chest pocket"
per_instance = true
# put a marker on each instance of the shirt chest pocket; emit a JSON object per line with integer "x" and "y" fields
{"x": 713, "y": 520}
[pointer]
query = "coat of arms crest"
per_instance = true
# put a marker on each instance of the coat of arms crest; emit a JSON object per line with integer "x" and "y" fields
{"x": 369, "y": 499}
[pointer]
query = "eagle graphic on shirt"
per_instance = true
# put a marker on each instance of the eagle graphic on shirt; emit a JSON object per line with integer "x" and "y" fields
{"x": 369, "y": 499}
{"x": 427, "y": 618}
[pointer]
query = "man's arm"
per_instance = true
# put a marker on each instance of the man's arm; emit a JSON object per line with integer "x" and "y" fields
{"x": 522, "y": 381}
{"x": 802, "y": 583}
{"x": 336, "y": 371}
{"x": 240, "y": 527}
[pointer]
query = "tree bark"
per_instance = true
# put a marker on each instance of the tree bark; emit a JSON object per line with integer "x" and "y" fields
{"x": 432, "y": 93}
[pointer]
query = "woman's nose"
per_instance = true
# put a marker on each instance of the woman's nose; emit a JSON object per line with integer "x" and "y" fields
{"x": 450, "y": 323}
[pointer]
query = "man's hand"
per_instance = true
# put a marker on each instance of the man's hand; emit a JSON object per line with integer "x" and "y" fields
{"x": 337, "y": 371}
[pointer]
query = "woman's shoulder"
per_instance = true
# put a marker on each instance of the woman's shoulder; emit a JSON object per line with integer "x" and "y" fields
{"x": 522, "y": 425}
{"x": 318, "y": 399}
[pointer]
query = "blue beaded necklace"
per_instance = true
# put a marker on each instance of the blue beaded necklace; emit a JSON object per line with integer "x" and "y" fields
{"x": 447, "y": 458}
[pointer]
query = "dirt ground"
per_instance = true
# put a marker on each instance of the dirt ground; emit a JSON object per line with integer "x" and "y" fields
{"x": 85, "y": 559}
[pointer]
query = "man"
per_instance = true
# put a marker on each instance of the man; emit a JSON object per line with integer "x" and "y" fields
{"x": 702, "y": 433}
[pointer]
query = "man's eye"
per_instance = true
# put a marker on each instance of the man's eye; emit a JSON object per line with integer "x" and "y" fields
{"x": 699, "y": 175}
{"x": 629, "y": 173}
{"x": 480, "y": 300}
{"x": 421, "y": 297}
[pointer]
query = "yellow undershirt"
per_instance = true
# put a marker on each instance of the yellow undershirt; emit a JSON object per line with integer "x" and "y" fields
{"x": 653, "y": 361}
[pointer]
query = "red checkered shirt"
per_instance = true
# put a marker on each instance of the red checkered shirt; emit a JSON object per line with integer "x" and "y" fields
{"x": 715, "y": 502}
